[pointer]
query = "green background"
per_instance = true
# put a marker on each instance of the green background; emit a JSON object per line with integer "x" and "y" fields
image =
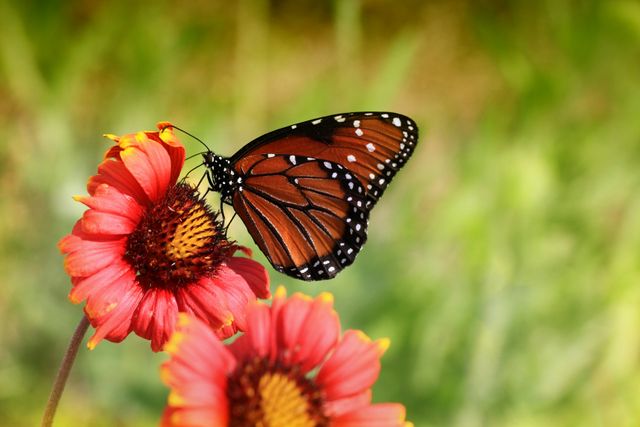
{"x": 502, "y": 262}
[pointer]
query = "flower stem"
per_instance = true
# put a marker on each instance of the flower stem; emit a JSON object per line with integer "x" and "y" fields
{"x": 63, "y": 372}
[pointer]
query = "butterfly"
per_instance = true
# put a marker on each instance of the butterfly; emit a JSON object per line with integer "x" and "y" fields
{"x": 305, "y": 191}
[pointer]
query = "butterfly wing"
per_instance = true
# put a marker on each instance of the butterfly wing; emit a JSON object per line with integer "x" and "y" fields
{"x": 372, "y": 146}
{"x": 308, "y": 216}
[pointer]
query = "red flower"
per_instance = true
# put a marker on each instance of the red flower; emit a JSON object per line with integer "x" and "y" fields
{"x": 148, "y": 248}
{"x": 267, "y": 376}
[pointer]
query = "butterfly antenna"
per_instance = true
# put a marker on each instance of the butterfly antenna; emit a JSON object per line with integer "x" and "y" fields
{"x": 194, "y": 155}
{"x": 191, "y": 170}
{"x": 192, "y": 136}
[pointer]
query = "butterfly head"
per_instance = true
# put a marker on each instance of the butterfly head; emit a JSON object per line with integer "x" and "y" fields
{"x": 220, "y": 174}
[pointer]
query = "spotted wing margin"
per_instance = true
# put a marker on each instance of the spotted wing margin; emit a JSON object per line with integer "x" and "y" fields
{"x": 372, "y": 145}
{"x": 308, "y": 216}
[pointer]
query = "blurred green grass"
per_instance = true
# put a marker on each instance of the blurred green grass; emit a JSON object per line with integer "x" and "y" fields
{"x": 503, "y": 261}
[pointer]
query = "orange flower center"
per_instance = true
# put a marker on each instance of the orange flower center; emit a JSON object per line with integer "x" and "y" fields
{"x": 264, "y": 394}
{"x": 177, "y": 241}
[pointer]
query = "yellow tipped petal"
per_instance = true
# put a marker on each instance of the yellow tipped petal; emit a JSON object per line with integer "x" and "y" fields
{"x": 183, "y": 320}
{"x": 111, "y": 137}
{"x": 92, "y": 343}
{"x": 281, "y": 292}
{"x": 175, "y": 399}
{"x": 141, "y": 136}
{"x": 326, "y": 297}
{"x": 165, "y": 375}
{"x": 173, "y": 344}
{"x": 383, "y": 344}
{"x": 228, "y": 320}
{"x": 303, "y": 297}
{"x": 364, "y": 337}
{"x": 164, "y": 125}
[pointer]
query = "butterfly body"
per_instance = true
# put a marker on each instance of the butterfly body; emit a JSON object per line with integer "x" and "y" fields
{"x": 305, "y": 191}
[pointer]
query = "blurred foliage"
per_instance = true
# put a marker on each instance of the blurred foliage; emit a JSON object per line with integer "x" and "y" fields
{"x": 503, "y": 261}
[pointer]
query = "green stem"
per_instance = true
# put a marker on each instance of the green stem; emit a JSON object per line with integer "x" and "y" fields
{"x": 63, "y": 372}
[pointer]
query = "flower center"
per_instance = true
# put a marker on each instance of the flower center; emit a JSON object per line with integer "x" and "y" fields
{"x": 264, "y": 394}
{"x": 177, "y": 241}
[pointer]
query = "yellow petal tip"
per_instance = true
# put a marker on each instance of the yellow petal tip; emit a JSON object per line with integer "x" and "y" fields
{"x": 383, "y": 344}
{"x": 171, "y": 346}
{"x": 281, "y": 292}
{"x": 326, "y": 297}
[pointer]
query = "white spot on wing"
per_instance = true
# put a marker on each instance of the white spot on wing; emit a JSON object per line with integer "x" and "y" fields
{"x": 292, "y": 159}
{"x": 356, "y": 123}
{"x": 371, "y": 147}
{"x": 359, "y": 132}
{"x": 316, "y": 121}
{"x": 351, "y": 158}
{"x": 397, "y": 122}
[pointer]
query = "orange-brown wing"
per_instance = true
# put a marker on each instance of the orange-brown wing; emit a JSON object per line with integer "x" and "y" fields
{"x": 308, "y": 216}
{"x": 372, "y": 146}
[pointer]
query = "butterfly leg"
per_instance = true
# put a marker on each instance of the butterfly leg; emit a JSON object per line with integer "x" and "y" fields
{"x": 226, "y": 227}
{"x": 222, "y": 214}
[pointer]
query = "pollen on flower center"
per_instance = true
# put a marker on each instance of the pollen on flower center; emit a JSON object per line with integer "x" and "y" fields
{"x": 264, "y": 394}
{"x": 177, "y": 241}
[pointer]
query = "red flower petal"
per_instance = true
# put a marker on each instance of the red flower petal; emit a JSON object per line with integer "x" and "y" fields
{"x": 353, "y": 367}
{"x": 236, "y": 291}
{"x": 86, "y": 257}
{"x": 241, "y": 348}
{"x": 322, "y": 331}
{"x": 289, "y": 323}
{"x": 227, "y": 331}
{"x": 378, "y": 415}
{"x": 97, "y": 222}
{"x": 193, "y": 417}
{"x": 174, "y": 148}
{"x": 114, "y": 173}
{"x": 112, "y": 275}
{"x": 338, "y": 407}
{"x": 205, "y": 301}
{"x": 155, "y": 317}
{"x": 253, "y": 273}
{"x": 113, "y": 321}
{"x": 148, "y": 162}
{"x": 308, "y": 329}
{"x": 259, "y": 327}
{"x": 111, "y": 200}
{"x": 197, "y": 374}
